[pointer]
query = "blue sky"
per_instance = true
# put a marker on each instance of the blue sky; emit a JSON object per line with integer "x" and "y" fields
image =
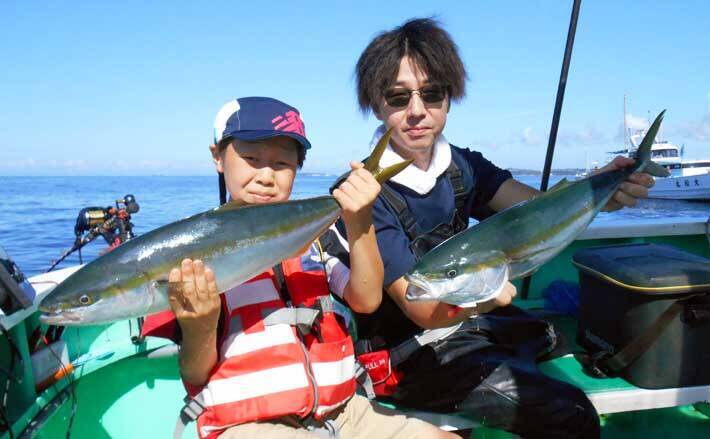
{"x": 131, "y": 88}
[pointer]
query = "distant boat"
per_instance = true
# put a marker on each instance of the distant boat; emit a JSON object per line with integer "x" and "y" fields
{"x": 689, "y": 180}
{"x": 691, "y": 183}
{"x": 587, "y": 170}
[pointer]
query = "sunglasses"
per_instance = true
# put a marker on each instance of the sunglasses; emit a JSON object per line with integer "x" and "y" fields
{"x": 430, "y": 94}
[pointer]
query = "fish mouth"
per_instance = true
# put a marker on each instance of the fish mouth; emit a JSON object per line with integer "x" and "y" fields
{"x": 419, "y": 288}
{"x": 417, "y": 280}
{"x": 59, "y": 317}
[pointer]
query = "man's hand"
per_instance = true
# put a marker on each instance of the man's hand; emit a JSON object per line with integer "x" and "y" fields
{"x": 194, "y": 298}
{"x": 505, "y": 298}
{"x": 356, "y": 195}
{"x": 635, "y": 187}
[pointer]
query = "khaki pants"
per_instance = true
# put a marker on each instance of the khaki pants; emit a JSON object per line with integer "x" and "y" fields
{"x": 359, "y": 418}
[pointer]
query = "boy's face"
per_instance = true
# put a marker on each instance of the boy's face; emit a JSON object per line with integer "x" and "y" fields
{"x": 416, "y": 125}
{"x": 261, "y": 171}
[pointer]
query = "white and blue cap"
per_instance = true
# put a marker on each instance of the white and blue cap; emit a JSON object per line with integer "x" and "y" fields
{"x": 256, "y": 118}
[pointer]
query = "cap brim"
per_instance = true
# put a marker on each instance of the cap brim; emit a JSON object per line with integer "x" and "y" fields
{"x": 253, "y": 135}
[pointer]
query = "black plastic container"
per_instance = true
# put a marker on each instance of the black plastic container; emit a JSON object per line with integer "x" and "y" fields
{"x": 624, "y": 290}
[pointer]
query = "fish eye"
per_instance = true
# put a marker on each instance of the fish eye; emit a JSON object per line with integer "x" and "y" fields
{"x": 84, "y": 299}
{"x": 451, "y": 274}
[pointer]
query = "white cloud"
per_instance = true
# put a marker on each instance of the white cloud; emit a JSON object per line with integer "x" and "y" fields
{"x": 588, "y": 135}
{"x": 698, "y": 129}
{"x": 635, "y": 123}
{"x": 582, "y": 136}
{"x": 528, "y": 137}
{"x": 485, "y": 144}
{"x": 32, "y": 166}
{"x": 24, "y": 163}
{"x": 31, "y": 163}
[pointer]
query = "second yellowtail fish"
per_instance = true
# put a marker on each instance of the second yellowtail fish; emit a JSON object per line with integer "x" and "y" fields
{"x": 475, "y": 265}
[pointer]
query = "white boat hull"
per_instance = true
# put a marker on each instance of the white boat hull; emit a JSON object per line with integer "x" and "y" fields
{"x": 689, "y": 187}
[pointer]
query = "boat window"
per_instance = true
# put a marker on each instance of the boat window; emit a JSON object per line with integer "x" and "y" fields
{"x": 665, "y": 153}
{"x": 697, "y": 165}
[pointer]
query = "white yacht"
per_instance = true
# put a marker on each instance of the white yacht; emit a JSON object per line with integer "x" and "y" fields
{"x": 689, "y": 179}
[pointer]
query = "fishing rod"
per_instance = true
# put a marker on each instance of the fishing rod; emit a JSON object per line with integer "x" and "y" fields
{"x": 556, "y": 115}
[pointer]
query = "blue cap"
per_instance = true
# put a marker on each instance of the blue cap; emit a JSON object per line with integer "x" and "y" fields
{"x": 256, "y": 118}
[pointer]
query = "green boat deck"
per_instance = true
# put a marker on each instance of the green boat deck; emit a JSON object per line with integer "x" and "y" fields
{"x": 128, "y": 390}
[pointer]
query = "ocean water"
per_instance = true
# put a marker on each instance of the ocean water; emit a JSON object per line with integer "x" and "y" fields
{"x": 38, "y": 214}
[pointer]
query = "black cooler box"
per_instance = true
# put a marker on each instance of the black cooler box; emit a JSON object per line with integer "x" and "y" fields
{"x": 645, "y": 314}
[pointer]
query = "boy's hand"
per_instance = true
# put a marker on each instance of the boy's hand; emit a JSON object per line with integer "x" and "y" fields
{"x": 635, "y": 187}
{"x": 194, "y": 298}
{"x": 356, "y": 195}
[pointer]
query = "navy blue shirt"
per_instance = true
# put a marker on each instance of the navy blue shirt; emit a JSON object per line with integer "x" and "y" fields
{"x": 481, "y": 180}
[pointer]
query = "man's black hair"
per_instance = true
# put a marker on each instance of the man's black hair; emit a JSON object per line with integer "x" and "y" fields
{"x": 426, "y": 43}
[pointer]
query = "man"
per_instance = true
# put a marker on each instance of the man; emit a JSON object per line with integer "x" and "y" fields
{"x": 485, "y": 366}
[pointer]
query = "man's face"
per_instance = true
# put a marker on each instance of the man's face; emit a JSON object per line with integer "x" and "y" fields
{"x": 416, "y": 124}
{"x": 259, "y": 172}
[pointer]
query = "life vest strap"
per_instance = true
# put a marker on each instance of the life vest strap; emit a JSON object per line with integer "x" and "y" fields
{"x": 404, "y": 350}
{"x": 302, "y": 318}
{"x": 364, "y": 380}
{"x": 192, "y": 409}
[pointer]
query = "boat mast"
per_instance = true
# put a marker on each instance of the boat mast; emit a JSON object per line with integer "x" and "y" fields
{"x": 560, "y": 95}
{"x": 626, "y": 145}
{"x": 556, "y": 115}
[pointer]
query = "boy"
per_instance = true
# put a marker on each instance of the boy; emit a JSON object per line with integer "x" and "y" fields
{"x": 257, "y": 372}
{"x": 484, "y": 366}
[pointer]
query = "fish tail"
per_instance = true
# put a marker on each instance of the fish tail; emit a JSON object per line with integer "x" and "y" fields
{"x": 643, "y": 154}
{"x": 372, "y": 164}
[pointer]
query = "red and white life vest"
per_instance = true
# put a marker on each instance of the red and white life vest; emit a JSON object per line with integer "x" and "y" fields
{"x": 268, "y": 370}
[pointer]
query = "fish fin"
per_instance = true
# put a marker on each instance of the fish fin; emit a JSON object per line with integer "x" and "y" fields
{"x": 656, "y": 170}
{"x": 559, "y": 185}
{"x": 495, "y": 280}
{"x": 643, "y": 154}
{"x": 230, "y": 205}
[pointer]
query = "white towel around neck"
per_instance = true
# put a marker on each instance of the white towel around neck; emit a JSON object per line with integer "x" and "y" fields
{"x": 418, "y": 180}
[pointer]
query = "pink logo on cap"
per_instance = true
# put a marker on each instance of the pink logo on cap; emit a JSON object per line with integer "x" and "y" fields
{"x": 290, "y": 122}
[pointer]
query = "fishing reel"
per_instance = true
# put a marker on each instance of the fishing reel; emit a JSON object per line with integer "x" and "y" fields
{"x": 113, "y": 223}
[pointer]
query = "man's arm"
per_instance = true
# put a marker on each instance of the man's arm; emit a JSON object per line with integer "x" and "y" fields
{"x": 512, "y": 192}
{"x": 433, "y": 314}
{"x": 437, "y": 314}
{"x": 356, "y": 195}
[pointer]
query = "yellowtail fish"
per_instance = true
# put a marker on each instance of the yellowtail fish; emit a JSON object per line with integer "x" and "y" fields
{"x": 475, "y": 265}
{"x": 237, "y": 243}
